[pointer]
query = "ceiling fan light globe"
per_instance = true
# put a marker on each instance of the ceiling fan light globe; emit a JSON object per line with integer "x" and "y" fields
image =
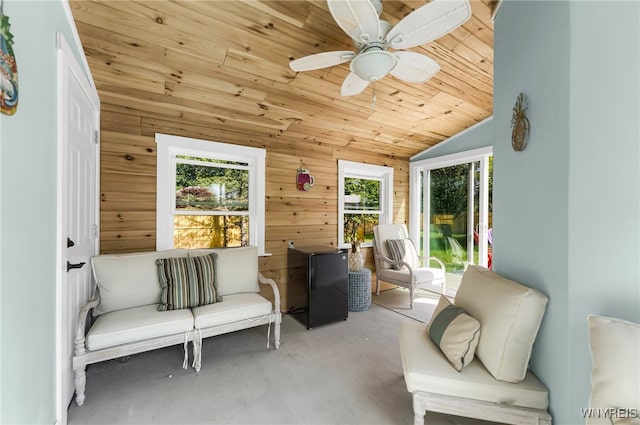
{"x": 374, "y": 65}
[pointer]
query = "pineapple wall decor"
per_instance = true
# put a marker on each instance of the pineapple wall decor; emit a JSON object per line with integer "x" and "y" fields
{"x": 520, "y": 124}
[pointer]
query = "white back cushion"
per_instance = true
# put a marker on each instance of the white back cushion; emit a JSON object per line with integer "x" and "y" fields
{"x": 509, "y": 314}
{"x": 615, "y": 374}
{"x": 129, "y": 280}
{"x": 236, "y": 268}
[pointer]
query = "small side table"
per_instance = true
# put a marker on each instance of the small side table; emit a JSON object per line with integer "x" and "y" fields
{"x": 359, "y": 290}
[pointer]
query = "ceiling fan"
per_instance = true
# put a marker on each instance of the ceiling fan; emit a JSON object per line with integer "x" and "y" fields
{"x": 373, "y": 37}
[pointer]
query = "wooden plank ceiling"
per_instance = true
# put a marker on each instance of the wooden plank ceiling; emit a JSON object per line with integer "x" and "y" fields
{"x": 226, "y": 63}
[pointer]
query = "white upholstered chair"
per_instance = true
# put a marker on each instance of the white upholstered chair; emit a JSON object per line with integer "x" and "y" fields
{"x": 397, "y": 262}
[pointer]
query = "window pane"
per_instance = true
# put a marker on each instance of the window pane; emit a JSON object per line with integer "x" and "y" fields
{"x": 359, "y": 227}
{"x": 450, "y": 207}
{"x": 208, "y": 231}
{"x": 361, "y": 194}
{"x": 455, "y": 215}
{"x": 210, "y": 188}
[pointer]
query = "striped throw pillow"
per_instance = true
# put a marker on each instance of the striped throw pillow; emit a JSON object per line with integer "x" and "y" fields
{"x": 187, "y": 282}
{"x": 402, "y": 250}
{"x": 454, "y": 332}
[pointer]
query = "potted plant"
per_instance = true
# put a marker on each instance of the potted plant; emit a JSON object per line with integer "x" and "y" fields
{"x": 354, "y": 234}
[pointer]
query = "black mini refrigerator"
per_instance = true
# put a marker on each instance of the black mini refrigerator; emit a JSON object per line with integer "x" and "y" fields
{"x": 318, "y": 282}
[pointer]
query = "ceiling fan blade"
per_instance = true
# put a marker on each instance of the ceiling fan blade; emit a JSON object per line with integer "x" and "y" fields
{"x": 414, "y": 67}
{"x": 353, "y": 85}
{"x": 429, "y": 22}
{"x": 321, "y": 60}
{"x": 358, "y": 18}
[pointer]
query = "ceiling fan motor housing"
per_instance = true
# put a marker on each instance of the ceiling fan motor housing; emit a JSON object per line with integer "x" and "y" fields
{"x": 385, "y": 27}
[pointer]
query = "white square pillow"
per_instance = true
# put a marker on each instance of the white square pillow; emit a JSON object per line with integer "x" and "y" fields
{"x": 509, "y": 314}
{"x": 129, "y": 280}
{"x": 615, "y": 374}
{"x": 236, "y": 268}
{"x": 454, "y": 332}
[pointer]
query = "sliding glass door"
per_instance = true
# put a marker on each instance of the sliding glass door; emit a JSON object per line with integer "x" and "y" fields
{"x": 451, "y": 209}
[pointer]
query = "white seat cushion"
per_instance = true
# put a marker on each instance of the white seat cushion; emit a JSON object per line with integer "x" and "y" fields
{"x": 233, "y": 308}
{"x": 236, "y": 269}
{"x": 135, "y": 324}
{"x": 421, "y": 274}
{"x": 509, "y": 314}
{"x": 129, "y": 280}
{"x": 426, "y": 369}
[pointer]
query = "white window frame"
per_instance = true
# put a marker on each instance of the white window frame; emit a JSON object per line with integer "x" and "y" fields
{"x": 371, "y": 172}
{"x": 169, "y": 147}
{"x": 426, "y": 165}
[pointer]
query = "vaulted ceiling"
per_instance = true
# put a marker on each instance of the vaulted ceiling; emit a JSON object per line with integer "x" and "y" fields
{"x": 226, "y": 63}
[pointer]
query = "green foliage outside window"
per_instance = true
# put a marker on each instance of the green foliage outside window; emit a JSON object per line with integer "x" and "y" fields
{"x": 202, "y": 187}
{"x": 361, "y": 196}
{"x": 449, "y": 187}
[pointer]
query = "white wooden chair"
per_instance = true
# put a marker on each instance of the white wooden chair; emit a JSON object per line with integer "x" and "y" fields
{"x": 410, "y": 270}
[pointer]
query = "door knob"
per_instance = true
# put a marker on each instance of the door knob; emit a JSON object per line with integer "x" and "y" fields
{"x": 70, "y": 243}
{"x": 74, "y": 266}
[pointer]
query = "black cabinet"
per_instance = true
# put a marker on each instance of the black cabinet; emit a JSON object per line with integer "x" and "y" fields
{"x": 318, "y": 281}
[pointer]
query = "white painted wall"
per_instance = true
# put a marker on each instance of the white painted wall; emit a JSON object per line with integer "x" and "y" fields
{"x": 477, "y": 136}
{"x": 531, "y": 188}
{"x": 27, "y": 224}
{"x": 566, "y": 210}
{"x": 604, "y": 175}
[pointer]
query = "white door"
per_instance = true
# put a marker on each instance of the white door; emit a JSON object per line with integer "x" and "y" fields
{"x": 450, "y": 210}
{"x": 78, "y": 124}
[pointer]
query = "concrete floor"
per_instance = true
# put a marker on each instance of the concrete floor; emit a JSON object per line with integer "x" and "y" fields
{"x": 343, "y": 373}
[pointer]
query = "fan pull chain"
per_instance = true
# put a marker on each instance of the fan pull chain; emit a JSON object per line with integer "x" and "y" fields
{"x": 373, "y": 98}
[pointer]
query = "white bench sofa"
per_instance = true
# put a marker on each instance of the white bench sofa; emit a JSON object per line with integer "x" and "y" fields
{"x": 496, "y": 385}
{"x": 127, "y": 319}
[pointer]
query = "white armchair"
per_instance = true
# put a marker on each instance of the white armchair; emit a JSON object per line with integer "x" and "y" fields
{"x": 401, "y": 264}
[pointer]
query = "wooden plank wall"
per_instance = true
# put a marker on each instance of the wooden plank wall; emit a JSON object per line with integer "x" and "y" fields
{"x": 128, "y": 185}
{"x": 219, "y": 71}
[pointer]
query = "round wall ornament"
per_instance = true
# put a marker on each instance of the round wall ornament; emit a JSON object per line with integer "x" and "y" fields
{"x": 520, "y": 124}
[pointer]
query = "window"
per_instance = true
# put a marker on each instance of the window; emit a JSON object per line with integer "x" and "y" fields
{"x": 365, "y": 199}
{"x": 450, "y": 208}
{"x": 209, "y": 194}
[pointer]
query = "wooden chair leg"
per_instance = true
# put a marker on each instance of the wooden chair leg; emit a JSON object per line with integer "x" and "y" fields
{"x": 80, "y": 384}
{"x": 411, "y": 297}
{"x": 419, "y": 409}
{"x": 276, "y": 332}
